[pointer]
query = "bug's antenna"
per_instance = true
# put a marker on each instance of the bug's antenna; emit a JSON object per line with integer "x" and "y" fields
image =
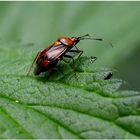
{"x": 87, "y": 36}
{"x": 83, "y": 36}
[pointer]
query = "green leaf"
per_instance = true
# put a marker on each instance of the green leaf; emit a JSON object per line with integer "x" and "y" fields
{"x": 63, "y": 105}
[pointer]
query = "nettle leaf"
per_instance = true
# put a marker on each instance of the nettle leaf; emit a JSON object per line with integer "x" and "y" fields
{"x": 62, "y": 104}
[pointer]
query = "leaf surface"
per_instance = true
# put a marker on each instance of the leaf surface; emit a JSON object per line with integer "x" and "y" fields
{"x": 63, "y": 105}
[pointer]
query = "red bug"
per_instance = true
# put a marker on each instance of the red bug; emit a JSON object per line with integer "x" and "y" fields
{"x": 49, "y": 57}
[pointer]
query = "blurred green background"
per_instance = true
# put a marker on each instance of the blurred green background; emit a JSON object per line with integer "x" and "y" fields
{"x": 116, "y": 22}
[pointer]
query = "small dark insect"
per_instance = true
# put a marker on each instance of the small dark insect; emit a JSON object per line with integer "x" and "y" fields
{"x": 49, "y": 57}
{"x": 110, "y": 74}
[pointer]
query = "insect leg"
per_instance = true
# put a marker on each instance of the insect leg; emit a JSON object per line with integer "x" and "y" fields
{"x": 68, "y": 56}
{"x": 77, "y": 51}
{"x": 33, "y": 62}
{"x": 81, "y": 52}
